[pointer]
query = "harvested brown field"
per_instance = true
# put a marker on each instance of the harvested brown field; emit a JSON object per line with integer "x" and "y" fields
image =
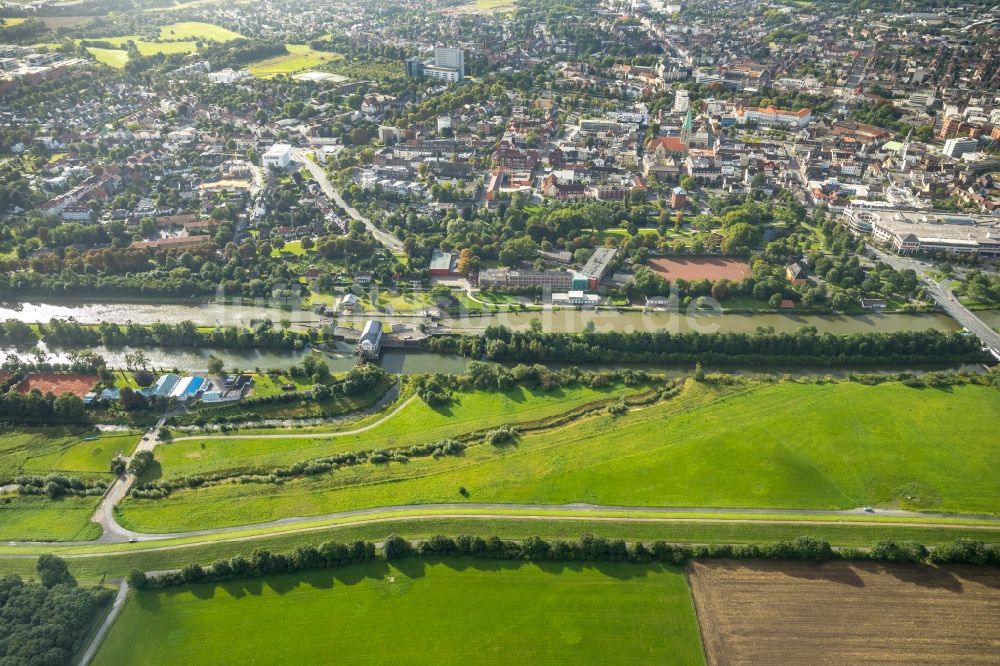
{"x": 700, "y": 268}
{"x": 78, "y": 385}
{"x": 846, "y": 613}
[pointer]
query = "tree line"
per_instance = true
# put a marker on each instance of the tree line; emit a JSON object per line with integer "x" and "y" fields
{"x": 805, "y": 345}
{"x": 263, "y": 334}
{"x": 589, "y": 548}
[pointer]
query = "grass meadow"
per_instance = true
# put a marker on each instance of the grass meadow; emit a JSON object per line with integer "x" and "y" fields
{"x": 462, "y": 611}
{"x": 785, "y": 445}
{"x": 65, "y": 450}
{"x": 299, "y": 57}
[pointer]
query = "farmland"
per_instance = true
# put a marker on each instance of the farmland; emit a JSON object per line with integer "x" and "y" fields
{"x": 298, "y": 58}
{"x": 182, "y": 37}
{"x": 700, "y": 268}
{"x": 458, "y": 610}
{"x": 846, "y": 613}
{"x": 887, "y": 445}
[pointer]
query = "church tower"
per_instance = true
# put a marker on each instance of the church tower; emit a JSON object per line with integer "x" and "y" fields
{"x": 686, "y": 132}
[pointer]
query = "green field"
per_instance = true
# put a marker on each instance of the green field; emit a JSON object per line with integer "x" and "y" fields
{"x": 110, "y": 57}
{"x": 197, "y": 30}
{"x": 299, "y": 57}
{"x": 67, "y": 450}
{"x": 38, "y": 518}
{"x": 786, "y": 445}
{"x": 461, "y": 611}
{"x": 415, "y": 423}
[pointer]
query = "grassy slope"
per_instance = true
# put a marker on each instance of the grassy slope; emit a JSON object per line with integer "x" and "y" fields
{"x": 461, "y": 611}
{"x": 788, "y": 445}
{"x": 417, "y": 423}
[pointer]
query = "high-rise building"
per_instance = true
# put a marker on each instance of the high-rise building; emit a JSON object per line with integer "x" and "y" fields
{"x": 450, "y": 59}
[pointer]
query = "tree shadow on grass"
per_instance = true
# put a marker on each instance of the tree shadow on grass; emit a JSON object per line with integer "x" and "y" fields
{"x": 354, "y": 574}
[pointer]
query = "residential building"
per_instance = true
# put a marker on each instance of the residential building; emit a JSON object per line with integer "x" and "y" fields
{"x": 955, "y": 148}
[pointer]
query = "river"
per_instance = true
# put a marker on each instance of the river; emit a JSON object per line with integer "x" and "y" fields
{"x": 561, "y": 321}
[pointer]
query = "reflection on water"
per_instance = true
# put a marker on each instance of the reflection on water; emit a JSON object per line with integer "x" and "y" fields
{"x": 562, "y": 321}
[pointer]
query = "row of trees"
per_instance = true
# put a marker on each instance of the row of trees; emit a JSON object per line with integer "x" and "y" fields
{"x": 64, "y": 333}
{"x": 588, "y": 548}
{"x": 806, "y": 345}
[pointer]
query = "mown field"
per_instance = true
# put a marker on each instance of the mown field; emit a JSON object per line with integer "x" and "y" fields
{"x": 846, "y": 613}
{"x": 67, "y": 450}
{"x": 43, "y": 519}
{"x": 461, "y": 611}
{"x": 785, "y": 445}
{"x": 299, "y": 57}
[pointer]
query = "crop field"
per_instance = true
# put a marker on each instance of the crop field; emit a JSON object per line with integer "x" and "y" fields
{"x": 768, "y": 447}
{"x": 462, "y": 611}
{"x": 700, "y": 268}
{"x": 846, "y": 613}
{"x": 67, "y": 450}
{"x": 298, "y": 58}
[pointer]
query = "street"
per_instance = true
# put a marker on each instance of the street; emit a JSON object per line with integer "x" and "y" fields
{"x": 385, "y": 238}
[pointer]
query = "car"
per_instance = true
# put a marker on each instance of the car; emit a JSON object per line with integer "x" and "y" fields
{"x": 132, "y": 540}
{"x": 869, "y": 509}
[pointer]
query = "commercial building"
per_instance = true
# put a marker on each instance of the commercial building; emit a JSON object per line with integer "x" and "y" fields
{"x": 916, "y": 232}
{"x": 773, "y": 116}
{"x": 955, "y": 148}
{"x": 277, "y": 156}
{"x": 370, "y": 343}
{"x": 577, "y": 298}
{"x": 505, "y": 278}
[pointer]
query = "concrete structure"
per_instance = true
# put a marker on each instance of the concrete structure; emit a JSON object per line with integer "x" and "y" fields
{"x": 370, "y": 343}
{"x": 277, "y": 156}
{"x": 448, "y": 65}
{"x": 773, "y": 116}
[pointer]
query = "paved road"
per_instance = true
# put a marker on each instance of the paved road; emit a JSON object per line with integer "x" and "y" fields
{"x": 116, "y": 609}
{"x": 307, "y": 435}
{"x": 384, "y": 237}
{"x": 540, "y": 512}
{"x": 942, "y": 294}
{"x": 104, "y": 515}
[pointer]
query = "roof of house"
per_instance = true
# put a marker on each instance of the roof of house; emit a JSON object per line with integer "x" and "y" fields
{"x": 672, "y": 144}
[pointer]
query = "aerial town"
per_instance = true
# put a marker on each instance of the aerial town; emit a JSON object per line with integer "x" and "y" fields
{"x": 587, "y": 326}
